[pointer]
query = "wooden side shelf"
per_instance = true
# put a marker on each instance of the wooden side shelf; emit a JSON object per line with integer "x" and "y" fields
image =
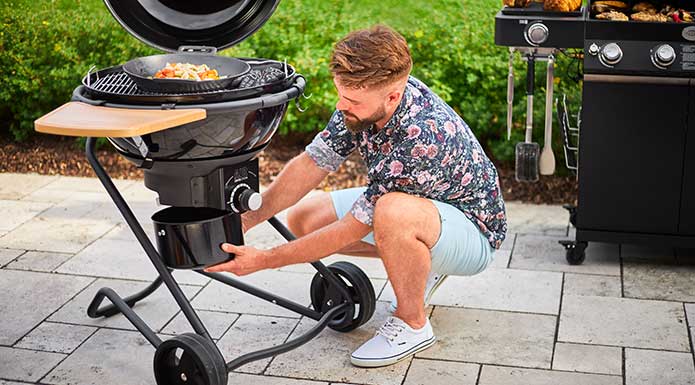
{"x": 82, "y": 119}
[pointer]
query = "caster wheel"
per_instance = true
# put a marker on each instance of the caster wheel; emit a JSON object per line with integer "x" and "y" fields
{"x": 575, "y": 252}
{"x": 324, "y": 296}
{"x": 189, "y": 359}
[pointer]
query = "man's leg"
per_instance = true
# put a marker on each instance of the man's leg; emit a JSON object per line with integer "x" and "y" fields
{"x": 406, "y": 227}
{"x": 316, "y": 212}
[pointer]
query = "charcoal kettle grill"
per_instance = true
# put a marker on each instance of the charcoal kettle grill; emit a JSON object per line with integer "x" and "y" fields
{"x": 198, "y": 149}
{"x": 633, "y": 146}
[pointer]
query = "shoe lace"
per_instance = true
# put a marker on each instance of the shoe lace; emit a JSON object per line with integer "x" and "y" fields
{"x": 390, "y": 330}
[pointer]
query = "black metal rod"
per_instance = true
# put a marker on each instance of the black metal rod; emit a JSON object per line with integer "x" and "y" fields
{"x": 152, "y": 253}
{"x": 260, "y": 293}
{"x": 318, "y": 265}
{"x": 289, "y": 345}
{"x": 117, "y": 301}
{"x": 111, "y": 309}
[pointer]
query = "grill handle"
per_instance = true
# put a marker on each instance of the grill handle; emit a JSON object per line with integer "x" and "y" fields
{"x": 198, "y": 49}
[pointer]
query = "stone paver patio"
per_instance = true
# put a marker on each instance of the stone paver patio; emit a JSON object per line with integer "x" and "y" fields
{"x": 626, "y": 316}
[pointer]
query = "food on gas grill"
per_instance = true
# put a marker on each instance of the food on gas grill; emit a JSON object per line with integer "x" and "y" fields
{"x": 644, "y": 7}
{"x": 516, "y": 3}
{"x": 562, "y": 5}
{"x": 607, "y": 6}
{"x": 648, "y": 16}
{"x": 677, "y": 15}
{"x": 613, "y": 16}
{"x": 187, "y": 71}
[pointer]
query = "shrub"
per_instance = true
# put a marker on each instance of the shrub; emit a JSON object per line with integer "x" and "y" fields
{"x": 46, "y": 47}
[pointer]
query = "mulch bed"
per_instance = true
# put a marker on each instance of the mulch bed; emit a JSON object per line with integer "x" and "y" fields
{"x": 50, "y": 155}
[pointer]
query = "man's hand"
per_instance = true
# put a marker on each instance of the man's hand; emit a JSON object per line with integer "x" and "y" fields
{"x": 247, "y": 260}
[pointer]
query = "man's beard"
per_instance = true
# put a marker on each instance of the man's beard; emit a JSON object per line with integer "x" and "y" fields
{"x": 356, "y": 125}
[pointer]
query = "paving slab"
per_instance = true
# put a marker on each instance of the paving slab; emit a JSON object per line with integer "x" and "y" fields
{"x": 539, "y": 252}
{"x": 68, "y": 235}
{"x": 39, "y": 261}
{"x": 251, "y": 333}
{"x": 660, "y": 281}
{"x": 293, "y": 286}
{"x": 499, "y": 375}
{"x": 536, "y": 219}
{"x": 216, "y": 323}
{"x": 27, "y": 298}
{"x": 492, "y": 337}
{"x": 54, "y": 337}
{"x": 85, "y": 184}
{"x": 156, "y": 310}
{"x": 109, "y": 357}
{"x": 646, "y": 367}
{"x": 8, "y": 255}
{"x": 121, "y": 259}
{"x": 2, "y": 382}
{"x": 501, "y": 259}
{"x": 496, "y": 289}
{"x": 16, "y": 186}
{"x": 14, "y": 213}
{"x": 26, "y": 365}
{"x": 623, "y": 322}
{"x": 243, "y": 378}
{"x": 690, "y": 314}
{"x": 596, "y": 285}
{"x": 588, "y": 358}
{"x": 327, "y": 357}
{"x": 432, "y": 372}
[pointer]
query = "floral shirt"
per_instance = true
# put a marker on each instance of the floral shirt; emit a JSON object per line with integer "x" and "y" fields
{"x": 425, "y": 149}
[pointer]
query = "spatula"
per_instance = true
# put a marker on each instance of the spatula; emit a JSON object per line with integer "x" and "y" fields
{"x": 547, "y": 161}
{"x": 527, "y": 152}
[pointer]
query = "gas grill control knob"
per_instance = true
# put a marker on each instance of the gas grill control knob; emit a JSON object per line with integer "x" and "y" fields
{"x": 536, "y": 34}
{"x": 664, "y": 55}
{"x": 243, "y": 198}
{"x": 610, "y": 54}
{"x": 250, "y": 200}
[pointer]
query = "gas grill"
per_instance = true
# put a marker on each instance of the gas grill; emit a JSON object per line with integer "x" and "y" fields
{"x": 636, "y": 141}
{"x": 198, "y": 145}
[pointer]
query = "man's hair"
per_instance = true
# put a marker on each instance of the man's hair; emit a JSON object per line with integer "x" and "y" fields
{"x": 371, "y": 57}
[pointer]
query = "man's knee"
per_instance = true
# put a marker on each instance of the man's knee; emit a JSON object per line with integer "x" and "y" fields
{"x": 400, "y": 215}
{"x": 310, "y": 214}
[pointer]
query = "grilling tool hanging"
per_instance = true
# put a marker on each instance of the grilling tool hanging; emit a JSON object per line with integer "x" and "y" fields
{"x": 547, "y": 161}
{"x": 510, "y": 93}
{"x": 527, "y": 152}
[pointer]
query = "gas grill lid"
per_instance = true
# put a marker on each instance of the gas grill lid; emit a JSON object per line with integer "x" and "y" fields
{"x": 170, "y": 24}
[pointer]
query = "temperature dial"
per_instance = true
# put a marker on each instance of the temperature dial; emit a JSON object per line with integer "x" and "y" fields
{"x": 243, "y": 198}
{"x": 536, "y": 34}
{"x": 663, "y": 56}
{"x": 610, "y": 54}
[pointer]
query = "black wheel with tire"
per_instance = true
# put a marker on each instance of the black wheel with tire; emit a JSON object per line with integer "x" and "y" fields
{"x": 325, "y": 296}
{"x": 576, "y": 253}
{"x": 189, "y": 359}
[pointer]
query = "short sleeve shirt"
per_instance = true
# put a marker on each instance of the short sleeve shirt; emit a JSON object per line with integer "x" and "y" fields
{"x": 426, "y": 150}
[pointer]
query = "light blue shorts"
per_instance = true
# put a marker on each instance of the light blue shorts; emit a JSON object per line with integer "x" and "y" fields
{"x": 461, "y": 249}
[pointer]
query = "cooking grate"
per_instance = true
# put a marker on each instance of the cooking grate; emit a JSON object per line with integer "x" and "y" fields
{"x": 114, "y": 84}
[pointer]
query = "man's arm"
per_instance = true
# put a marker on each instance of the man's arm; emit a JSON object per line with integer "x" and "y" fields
{"x": 318, "y": 244}
{"x": 309, "y": 248}
{"x": 296, "y": 179}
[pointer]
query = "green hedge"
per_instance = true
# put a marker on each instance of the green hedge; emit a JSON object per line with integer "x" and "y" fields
{"x": 47, "y": 46}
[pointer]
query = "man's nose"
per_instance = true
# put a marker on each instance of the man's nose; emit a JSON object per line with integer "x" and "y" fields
{"x": 341, "y": 105}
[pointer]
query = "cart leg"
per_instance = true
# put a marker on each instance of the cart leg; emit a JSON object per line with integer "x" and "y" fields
{"x": 152, "y": 253}
{"x": 110, "y": 310}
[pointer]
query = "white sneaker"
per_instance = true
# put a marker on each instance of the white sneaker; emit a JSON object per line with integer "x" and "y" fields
{"x": 434, "y": 280}
{"x": 394, "y": 341}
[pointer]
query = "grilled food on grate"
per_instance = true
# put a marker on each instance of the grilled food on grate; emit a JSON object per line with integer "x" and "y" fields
{"x": 613, "y": 16}
{"x": 516, "y": 3}
{"x": 562, "y": 5}
{"x": 648, "y": 16}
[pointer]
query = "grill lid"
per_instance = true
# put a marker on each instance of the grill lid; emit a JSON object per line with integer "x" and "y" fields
{"x": 170, "y": 24}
